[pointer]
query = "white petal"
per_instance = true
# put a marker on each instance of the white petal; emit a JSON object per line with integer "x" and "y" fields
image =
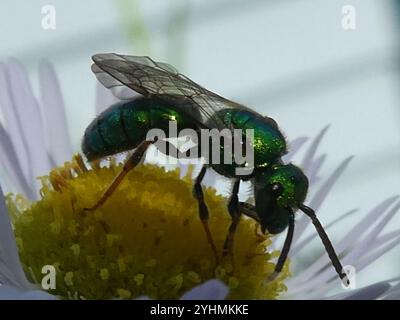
{"x": 393, "y": 293}
{"x": 320, "y": 196}
{"x": 13, "y": 293}
{"x": 8, "y": 247}
{"x": 10, "y": 164}
{"x": 209, "y": 290}
{"x": 12, "y": 122}
{"x": 294, "y": 146}
{"x": 210, "y": 178}
{"x": 309, "y": 157}
{"x": 29, "y": 113}
{"x": 304, "y": 285}
{"x": 311, "y": 272}
{"x": 314, "y": 169}
{"x": 295, "y": 250}
{"x": 371, "y": 292}
{"x": 369, "y": 241}
{"x": 59, "y": 145}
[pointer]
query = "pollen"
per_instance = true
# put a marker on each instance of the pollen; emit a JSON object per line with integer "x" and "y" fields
{"x": 145, "y": 240}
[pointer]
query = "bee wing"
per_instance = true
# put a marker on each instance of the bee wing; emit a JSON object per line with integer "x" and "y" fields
{"x": 160, "y": 80}
{"x": 118, "y": 89}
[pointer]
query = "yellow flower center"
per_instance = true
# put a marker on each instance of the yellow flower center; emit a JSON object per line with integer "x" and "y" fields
{"x": 147, "y": 238}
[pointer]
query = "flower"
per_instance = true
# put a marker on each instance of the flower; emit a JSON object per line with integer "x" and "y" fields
{"x": 147, "y": 238}
{"x": 23, "y": 163}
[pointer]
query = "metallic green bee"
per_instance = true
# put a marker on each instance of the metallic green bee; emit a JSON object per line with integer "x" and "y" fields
{"x": 166, "y": 95}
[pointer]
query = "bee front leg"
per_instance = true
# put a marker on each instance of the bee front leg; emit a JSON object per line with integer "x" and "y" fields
{"x": 130, "y": 163}
{"x": 285, "y": 250}
{"x": 233, "y": 208}
{"x": 203, "y": 211}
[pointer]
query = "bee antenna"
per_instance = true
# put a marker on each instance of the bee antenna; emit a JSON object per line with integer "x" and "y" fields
{"x": 327, "y": 243}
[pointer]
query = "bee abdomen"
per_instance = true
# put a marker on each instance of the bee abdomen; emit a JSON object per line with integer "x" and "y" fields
{"x": 119, "y": 128}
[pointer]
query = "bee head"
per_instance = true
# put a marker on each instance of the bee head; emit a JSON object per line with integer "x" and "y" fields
{"x": 279, "y": 191}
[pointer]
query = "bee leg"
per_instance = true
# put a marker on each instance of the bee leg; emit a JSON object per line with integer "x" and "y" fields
{"x": 285, "y": 250}
{"x": 233, "y": 208}
{"x": 130, "y": 163}
{"x": 250, "y": 211}
{"x": 203, "y": 211}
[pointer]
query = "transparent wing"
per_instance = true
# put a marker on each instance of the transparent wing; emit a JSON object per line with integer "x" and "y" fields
{"x": 156, "y": 79}
{"x": 117, "y": 88}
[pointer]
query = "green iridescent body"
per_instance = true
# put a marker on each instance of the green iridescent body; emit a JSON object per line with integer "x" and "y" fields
{"x": 124, "y": 126}
{"x": 269, "y": 144}
{"x": 166, "y": 95}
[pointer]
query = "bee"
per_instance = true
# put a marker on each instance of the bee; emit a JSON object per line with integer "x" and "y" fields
{"x": 166, "y": 95}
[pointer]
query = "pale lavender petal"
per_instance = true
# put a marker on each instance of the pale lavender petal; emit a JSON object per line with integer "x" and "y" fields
{"x": 30, "y": 117}
{"x": 308, "y": 158}
{"x": 296, "y": 249}
{"x": 393, "y": 293}
{"x": 104, "y": 98}
{"x": 8, "y": 247}
{"x": 12, "y": 122}
{"x": 375, "y": 254}
{"x": 358, "y": 251}
{"x": 365, "y": 244}
{"x": 320, "y": 196}
{"x": 364, "y": 225}
{"x": 312, "y": 271}
{"x": 294, "y": 147}
{"x": 209, "y": 290}
{"x": 331, "y": 280}
{"x": 183, "y": 169}
{"x": 7, "y": 275}
{"x": 13, "y": 293}
{"x": 371, "y": 292}
{"x": 210, "y": 178}
{"x": 386, "y": 219}
{"x": 315, "y": 167}
{"x": 10, "y": 163}
{"x": 59, "y": 144}
{"x": 313, "y": 276}
{"x": 323, "y": 192}
{"x": 386, "y": 237}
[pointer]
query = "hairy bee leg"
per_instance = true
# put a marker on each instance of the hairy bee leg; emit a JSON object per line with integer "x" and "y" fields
{"x": 285, "y": 250}
{"x": 233, "y": 208}
{"x": 203, "y": 211}
{"x": 249, "y": 210}
{"x": 129, "y": 164}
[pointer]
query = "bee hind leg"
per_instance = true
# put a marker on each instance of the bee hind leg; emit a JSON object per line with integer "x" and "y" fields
{"x": 233, "y": 208}
{"x": 203, "y": 211}
{"x": 129, "y": 164}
